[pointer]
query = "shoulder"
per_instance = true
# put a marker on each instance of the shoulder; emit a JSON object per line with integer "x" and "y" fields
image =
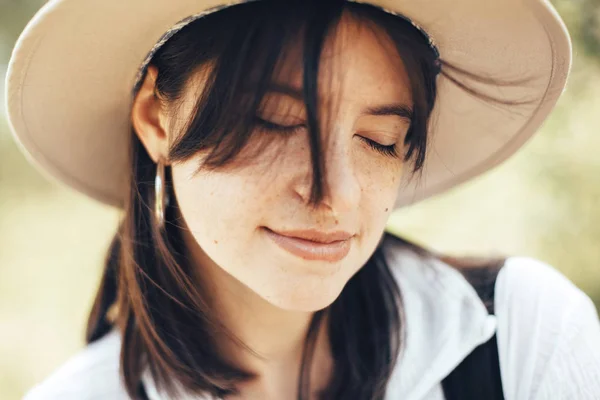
{"x": 91, "y": 374}
{"x": 530, "y": 289}
{"x": 548, "y": 333}
{"x": 536, "y": 303}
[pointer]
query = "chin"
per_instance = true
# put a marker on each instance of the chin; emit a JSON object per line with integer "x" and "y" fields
{"x": 309, "y": 298}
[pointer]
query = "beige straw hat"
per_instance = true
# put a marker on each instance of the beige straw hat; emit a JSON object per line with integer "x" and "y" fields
{"x": 71, "y": 74}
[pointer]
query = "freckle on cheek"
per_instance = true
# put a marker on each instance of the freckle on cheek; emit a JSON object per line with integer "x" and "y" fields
{"x": 386, "y": 209}
{"x": 216, "y": 242}
{"x": 337, "y": 222}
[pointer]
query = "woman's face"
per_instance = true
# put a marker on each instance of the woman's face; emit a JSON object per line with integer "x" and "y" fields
{"x": 240, "y": 219}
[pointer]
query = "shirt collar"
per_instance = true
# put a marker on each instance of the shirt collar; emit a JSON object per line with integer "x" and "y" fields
{"x": 444, "y": 321}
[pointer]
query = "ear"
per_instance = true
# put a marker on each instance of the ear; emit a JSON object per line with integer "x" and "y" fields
{"x": 149, "y": 118}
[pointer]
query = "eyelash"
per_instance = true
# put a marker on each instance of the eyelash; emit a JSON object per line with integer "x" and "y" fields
{"x": 389, "y": 151}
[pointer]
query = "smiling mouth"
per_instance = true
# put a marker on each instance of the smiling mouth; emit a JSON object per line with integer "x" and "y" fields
{"x": 313, "y": 245}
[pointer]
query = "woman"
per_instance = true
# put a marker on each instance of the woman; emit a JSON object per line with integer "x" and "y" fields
{"x": 257, "y": 150}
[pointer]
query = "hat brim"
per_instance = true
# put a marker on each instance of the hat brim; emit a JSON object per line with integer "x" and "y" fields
{"x": 71, "y": 73}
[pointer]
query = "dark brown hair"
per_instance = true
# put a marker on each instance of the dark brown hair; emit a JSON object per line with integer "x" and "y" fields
{"x": 148, "y": 291}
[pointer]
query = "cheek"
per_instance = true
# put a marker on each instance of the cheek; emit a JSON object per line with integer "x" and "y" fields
{"x": 380, "y": 185}
{"x": 379, "y": 180}
{"x": 218, "y": 209}
{"x": 224, "y": 210}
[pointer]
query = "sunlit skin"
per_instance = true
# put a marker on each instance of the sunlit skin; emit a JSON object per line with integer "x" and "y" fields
{"x": 263, "y": 293}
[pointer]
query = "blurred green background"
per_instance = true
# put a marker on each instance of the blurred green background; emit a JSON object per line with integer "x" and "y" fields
{"x": 544, "y": 202}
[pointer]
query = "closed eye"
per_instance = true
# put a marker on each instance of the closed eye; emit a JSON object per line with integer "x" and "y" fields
{"x": 386, "y": 150}
{"x": 273, "y": 127}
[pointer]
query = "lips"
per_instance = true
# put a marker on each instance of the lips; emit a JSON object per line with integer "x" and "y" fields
{"x": 313, "y": 245}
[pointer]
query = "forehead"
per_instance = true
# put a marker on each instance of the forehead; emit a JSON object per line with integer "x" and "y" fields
{"x": 359, "y": 66}
{"x": 359, "y": 63}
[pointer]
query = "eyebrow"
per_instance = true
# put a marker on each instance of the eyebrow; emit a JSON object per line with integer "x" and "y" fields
{"x": 396, "y": 109}
{"x": 401, "y": 110}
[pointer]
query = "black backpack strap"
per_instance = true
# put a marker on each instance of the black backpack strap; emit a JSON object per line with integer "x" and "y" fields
{"x": 478, "y": 375}
{"x": 141, "y": 392}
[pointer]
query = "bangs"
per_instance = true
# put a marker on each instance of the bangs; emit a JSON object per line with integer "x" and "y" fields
{"x": 240, "y": 51}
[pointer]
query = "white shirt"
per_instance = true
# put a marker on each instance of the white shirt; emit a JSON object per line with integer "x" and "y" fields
{"x": 548, "y": 336}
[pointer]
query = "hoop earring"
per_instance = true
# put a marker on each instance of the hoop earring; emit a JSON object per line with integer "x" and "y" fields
{"x": 160, "y": 197}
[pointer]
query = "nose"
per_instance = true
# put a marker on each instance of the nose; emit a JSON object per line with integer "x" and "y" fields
{"x": 341, "y": 186}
